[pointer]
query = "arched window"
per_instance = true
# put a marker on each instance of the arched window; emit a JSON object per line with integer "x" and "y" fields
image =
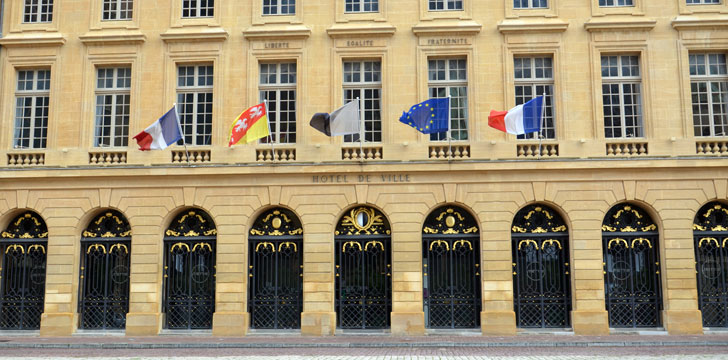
{"x": 631, "y": 268}
{"x": 104, "y": 275}
{"x": 710, "y": 231}
{"x": 363, "y": 270}
{"x": 275, "y": 266}
{"x": 451, "y": 269}
{"x": 23, "y": 247}
{"x": 189, "y": 271}
{"x": 541, "y": 285}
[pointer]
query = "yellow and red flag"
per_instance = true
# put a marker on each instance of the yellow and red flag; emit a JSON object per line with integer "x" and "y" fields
{"x": 251, "y": 125}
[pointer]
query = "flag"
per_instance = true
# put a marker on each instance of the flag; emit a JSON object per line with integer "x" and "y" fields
{"x": 342, "y": 121}
{"x": 251, "y": 125}
{"x": 522, "y": 119}
{"x": 428, "y": 117}
{"x": 162, "y": 133}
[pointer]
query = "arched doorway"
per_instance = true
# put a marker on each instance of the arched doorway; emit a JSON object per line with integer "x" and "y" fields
{"x": 451, "y": 269}
{"x": 104, "y": 275}
{"x": 189, "y": 271}
{"x": 710, "y": 231}
{"x": 275, "y": 266}
{"x": 631, "y": 268}
{"x": 541, "y": 285}
{"x": 363, "y": 270}
{"x": 22, "y": 291}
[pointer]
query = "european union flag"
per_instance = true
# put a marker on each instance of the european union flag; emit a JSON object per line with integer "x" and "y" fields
{"x": 428, "y": 117}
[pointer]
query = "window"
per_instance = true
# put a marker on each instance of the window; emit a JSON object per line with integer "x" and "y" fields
{"x": 278, "y": 86}
{"x": 534, "y": 76}
{"x": 117, "y": 9}
{"x": 38, "y": 11}
{"x": 621, "y": 96}
{"x": 449, "y": 77}
{"x": 615, "y": 3}
{"x": 446, "y": 5}
{"x": 363, "y": 81}
{"x": 198, "y": 8}
{"x": 362, "y": 6}
{"x": 194, "y": 103}
{"x": 703, "y": 2}
{"x": 279, "y": 7}
{"x": 530, "y": 4}
{"x": 113, "y": 88}
{"x": 709, "y": 89}
{"x": 31, "y": 109}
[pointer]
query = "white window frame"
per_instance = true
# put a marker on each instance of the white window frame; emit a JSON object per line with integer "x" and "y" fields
{"x": 361, "y": 4}
{"x": 548, "y": 128}
{"x": 616, "y": 3}
{"x": 621, "y": 81}
{"x": 448, "y": 5}
{"x": 118, "y": 129}
{"x": 703, "y": 2}
{"x": 193, "y": 137}
{"x": 457, "y": 89}
{"x": 709, "y": 79}
{"x": 123, "y": 10}
{"x": 363, "y": 86}
{"x": 530, "y": 4}
{"x": 197, "y": 7}
{"x": 38, "y": 122}
{"x": 278, "y": 7}
{"x": 33, "y": 11}
{"x": 274, "y": 106}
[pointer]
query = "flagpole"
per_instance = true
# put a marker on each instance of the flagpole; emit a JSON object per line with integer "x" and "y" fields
{"x": 272, "y": 148}
{"x": 449, "y": 130}
{"x": 540, "y": 138}
{"x": 361, "y": 132}
{"x": 179, "y": 127}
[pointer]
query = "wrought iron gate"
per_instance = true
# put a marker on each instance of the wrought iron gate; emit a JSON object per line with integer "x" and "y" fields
{"x": 541, "y": 288}
{"x": 22, "y": 286}
{"x": 451, "y": 269}
{"x": 104, "y": 275}
{"x": 275, "y": 271}
{"x": 363, "y": 270}
{"x": 631, "y": 268}
{"x": 189, "y": 271}
{"x": 710, "y": 231}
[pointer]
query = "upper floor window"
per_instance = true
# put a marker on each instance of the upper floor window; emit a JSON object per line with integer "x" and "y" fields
{"x": 446, "y": 5}
{"x": 709, "y": 89}
{"x": 363, "y": 82}
{"x": 117, "y": 9}
{"x": 198, "y": 8}
{"x": 449, "y": 77}
{"x": 362, "y": 6}
{"x": 194, "y": 103}
{"x": 534, "y": 76}
{"x": 622, "y": 96}
{"x": 32, "y": 97}
{"x": 38, "y": 11}
{"x": 278, "y": 87}
{"x": 113, "y": 93}
{"x": 530, "y": 4}
{"x": 279, "y": 7}
{"x": 703, "y": 2}
{"x": 615, "y": 3}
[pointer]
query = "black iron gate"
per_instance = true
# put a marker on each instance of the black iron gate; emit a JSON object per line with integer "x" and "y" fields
{"x": 275, "y": 271}
{"x": 104, "y": 275}
{"x": 451, "y": 269}
{"x": 631, "y": 268}
{"x": 363, "y": 270}
{"x": 189, "y": 271}
{"x": 22, "y": 286}
{"x": 710, "y": 231}
{"x": 541, "y": 288}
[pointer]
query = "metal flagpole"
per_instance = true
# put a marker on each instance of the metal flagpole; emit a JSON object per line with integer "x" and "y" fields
{"x": 540, "y": 138}
{"x": 449, "y": 126}
{"x": 179, "y": 126}
{"x": 272, "y": 148}
{"x": 361, "y": 132}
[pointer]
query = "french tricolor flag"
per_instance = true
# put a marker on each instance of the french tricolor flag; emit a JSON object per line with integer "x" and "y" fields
{"x": 162, "y": 133}
{"x": 522, "y": 119}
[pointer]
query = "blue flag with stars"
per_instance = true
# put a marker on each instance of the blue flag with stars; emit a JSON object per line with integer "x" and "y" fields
{"x": 428, "y": 117}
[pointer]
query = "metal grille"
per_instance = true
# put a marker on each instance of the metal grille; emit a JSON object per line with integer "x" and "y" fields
{"x": 363, "y": 270}
{"x": 22, "y": 286}
{"x": 631, "y": 268}
{"x": 275, "y": 271}
{"x": 711, "y": 254}
{"x": 540, "y": 269}
{"x": 451, "y": 269}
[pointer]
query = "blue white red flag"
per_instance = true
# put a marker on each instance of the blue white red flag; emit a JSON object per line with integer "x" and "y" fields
{"x": 522, "y": 119}
{"x": 162, "y": 133}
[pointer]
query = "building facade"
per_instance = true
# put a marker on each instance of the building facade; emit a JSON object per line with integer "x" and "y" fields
{"x": 613, "y": 216}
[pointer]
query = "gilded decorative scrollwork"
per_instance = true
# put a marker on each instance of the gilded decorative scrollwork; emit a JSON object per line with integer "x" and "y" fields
{"x": 450, "y": 220}
{"x": 462, "y": 243}
{"x": 617, "y": 241}
{"x": 15, "y": 247}
{"x": 265, "y": 245}
{"x": 277, "y": 222}
{"x": 180, "y": 246}
{"x": 527, "y": 242}
{"x": 373, "y": 244}
{"x": 192, "y": 223}
{"x": 26, "y": 226}
{"x": 537, "y": 219}
{"x": 110, "y": 224}
{"x": 36, "y": 247}
{"x": 551, "y": 242}
{"x": 351, "y": 245}
{"x": 288, "y": 245}
{"x": 440, "y": 243}
{"x": 202, "y": 246}
{"x": 712, "y": 217}
{"x": 709, "y": 240}
{"x": 363, "y": 221}
{"x": 627, "y": 218}
{"x": 96, "y": 247}
{"x": 641, "y": 241}
{"x": 120, "y": 247}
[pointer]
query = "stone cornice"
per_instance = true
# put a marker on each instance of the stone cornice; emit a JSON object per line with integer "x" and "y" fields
{"x": 277, "y": 31}
{"x": 194, "y": 34}
{"x": 447, "y": 27}
{"x": 33, "y": 39}
{"x": 112, "y": 37}
{"x": 532, "y": 25}
{"x": 361, "y": 29}
{"x": 685, "y": 22}
{"x": 620, "y": 23}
